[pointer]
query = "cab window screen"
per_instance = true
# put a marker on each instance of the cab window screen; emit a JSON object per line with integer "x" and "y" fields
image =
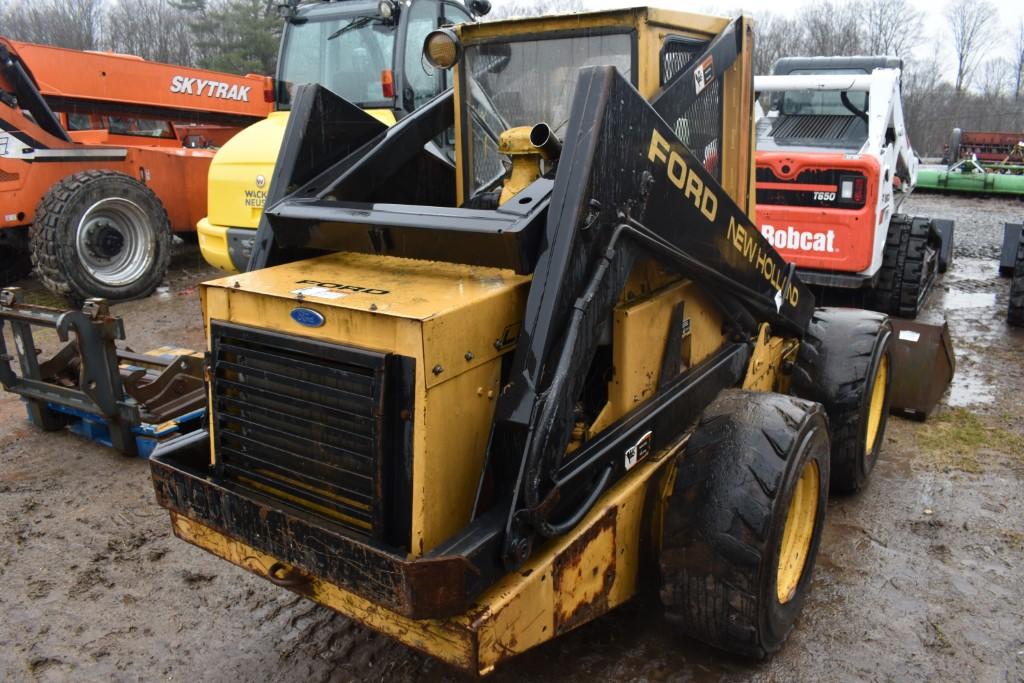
{"x": 528, "y": 82}
{"x": 699, "y": 126}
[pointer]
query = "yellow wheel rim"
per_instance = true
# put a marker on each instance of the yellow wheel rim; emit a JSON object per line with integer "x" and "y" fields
{"x": 796, "y": 536}
{"x": 878, "y": 390}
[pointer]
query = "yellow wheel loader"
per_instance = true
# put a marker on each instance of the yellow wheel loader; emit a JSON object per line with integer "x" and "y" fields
{"x": 474, "y": 405}
{"x": 369, "y": 52}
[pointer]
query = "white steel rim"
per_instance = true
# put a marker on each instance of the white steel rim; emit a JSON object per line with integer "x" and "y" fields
{"x": 114, "y": 242}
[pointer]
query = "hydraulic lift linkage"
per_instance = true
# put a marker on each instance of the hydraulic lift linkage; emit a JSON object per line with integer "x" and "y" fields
{"x": 626, "y": 189}
{"x": 126, "y": 400}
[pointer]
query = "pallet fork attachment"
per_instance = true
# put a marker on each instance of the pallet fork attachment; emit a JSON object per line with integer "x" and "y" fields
{"x": 125, "y": 400}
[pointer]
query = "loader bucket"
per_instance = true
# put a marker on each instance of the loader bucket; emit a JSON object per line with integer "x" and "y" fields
{"x": 923, "y": 364}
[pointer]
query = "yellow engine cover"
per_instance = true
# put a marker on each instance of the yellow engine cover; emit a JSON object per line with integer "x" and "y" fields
{"x": 456, "y": 321}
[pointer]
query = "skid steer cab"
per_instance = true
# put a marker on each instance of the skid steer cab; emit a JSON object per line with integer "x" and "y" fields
{"x": 477, "y": 403}
{"x": 834, "y": 164}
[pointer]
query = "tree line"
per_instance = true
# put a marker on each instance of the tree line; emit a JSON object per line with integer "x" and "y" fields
{"x": 982, "y": 92}
{"x": 236, "y": 36}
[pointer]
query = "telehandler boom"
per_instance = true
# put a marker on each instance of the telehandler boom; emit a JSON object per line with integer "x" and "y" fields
{"x": 475, "y": 405}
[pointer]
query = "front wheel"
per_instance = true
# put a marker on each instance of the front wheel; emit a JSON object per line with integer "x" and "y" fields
{"x": 101, "y": 234}
{"x": 845, "y": 364}
{"x": 744, "y": 523}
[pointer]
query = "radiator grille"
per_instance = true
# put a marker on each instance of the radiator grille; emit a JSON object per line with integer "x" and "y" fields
{"x": 308, "y": 423}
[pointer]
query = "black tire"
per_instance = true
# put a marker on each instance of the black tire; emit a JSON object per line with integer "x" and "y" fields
{"x": 724, "y": 524}
{"x": 15, "y": 264}
{"x": 946, "y": 251}
{"x": 907, "y": 263}
{"x": 1015, "y": 311}
{"x": 100, "y": 234}
{"x": 844, "y": 353}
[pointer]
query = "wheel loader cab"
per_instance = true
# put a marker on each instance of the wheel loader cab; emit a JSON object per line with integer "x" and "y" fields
{"x": 366, "y": 51}
{"x": 454, "y": 402}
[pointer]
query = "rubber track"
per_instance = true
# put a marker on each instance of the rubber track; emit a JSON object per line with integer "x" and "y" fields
{"x": 901, "y": 286}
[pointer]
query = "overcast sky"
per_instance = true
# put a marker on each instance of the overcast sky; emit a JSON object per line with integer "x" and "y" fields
{"x": 936, "y": 27}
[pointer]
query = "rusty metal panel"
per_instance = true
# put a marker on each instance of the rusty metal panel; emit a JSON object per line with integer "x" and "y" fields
{"x": 923, "y": 364}
{"x": 584, "y": 573}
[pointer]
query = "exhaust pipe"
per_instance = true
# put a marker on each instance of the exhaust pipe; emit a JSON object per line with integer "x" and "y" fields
{"x": 545, "y": 141}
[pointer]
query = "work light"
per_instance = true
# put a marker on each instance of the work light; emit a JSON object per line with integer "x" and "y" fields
{"x": 442, "y": 48}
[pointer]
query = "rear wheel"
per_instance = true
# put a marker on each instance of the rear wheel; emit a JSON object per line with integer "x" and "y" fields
{"x": 744, "y": 524}
{"x": 844, "y": 363}
{"x": 1015, "y": 314}
{"x": 102, "y": 234}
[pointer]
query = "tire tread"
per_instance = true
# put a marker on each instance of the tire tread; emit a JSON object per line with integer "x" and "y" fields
{"x": 52, "y": 245}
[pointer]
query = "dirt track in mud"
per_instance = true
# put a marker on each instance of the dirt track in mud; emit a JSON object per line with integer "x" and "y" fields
{"x": 920, "y": 577}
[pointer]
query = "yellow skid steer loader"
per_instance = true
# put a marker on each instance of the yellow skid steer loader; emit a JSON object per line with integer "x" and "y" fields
{"x": 476, "y": 404}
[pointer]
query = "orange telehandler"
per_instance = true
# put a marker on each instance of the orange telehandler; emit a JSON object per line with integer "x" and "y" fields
{"x": 102, "y": 157}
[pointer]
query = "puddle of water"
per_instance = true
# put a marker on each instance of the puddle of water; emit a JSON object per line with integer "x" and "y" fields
{"x": 969, "y": 388}
{"x": 957, "y": 299}
{"x": 966, "y": 298}
{"x": 963, "y": 394}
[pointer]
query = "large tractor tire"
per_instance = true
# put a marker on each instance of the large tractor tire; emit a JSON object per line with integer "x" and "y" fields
{"x": 743, "y": 526}
{"x": 845, "y": 364}
{"x": 907, "y": 267}
{"x": 1015, "y": 313}
{"x": 101, "y": 234}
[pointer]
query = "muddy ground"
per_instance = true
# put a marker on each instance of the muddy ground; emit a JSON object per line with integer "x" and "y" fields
{"x": 921, "y": 576}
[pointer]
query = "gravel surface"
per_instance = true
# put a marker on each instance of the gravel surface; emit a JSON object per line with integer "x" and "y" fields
{"x": 920, "y": 577}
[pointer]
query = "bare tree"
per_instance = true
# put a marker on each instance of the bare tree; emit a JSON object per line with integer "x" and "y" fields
{"x": 891, "y": 27}
{"x": 75, "y": 25}
{"x": 993, "y": 77}
{"x": 775, "y": 36}
{"x": 831, "y": 29}
{"x": 923, "y": 88}
{"x": 1018, "y": 62}
{"x": 971, "y": 22}
{"x": 152, "y": 29}
{"x": 508, "y": 9}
